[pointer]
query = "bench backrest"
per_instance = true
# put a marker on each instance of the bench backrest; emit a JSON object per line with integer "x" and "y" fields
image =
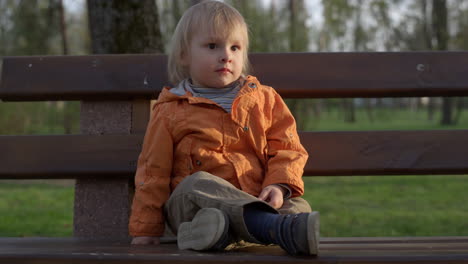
{"x": 115, "y": 91}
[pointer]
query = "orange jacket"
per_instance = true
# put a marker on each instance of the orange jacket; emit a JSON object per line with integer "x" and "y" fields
{"x": 254, "y": 146}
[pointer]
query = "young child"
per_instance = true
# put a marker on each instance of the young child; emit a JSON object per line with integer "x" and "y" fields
{"x": 221, "y": 159}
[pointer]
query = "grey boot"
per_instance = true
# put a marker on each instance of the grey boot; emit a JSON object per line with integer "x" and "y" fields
{"x": 209, "y": 230}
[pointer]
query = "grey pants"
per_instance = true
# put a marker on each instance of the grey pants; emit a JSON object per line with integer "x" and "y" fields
{"x": 204, "y": 190}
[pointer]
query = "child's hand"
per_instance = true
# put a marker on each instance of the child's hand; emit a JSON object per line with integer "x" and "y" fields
{"x": 273, "y": 195}
{"x": 145, "y": 240}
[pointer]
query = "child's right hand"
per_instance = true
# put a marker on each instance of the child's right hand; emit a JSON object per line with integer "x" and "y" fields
{"x": 273, "y": 195}
{"x": 145, "y": 240}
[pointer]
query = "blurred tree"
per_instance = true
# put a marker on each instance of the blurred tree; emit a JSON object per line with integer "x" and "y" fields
{"x": 460, "y": 41}
{"x": 441, "y": 37}
{"x": 299, "y": 42}
{"x": 337, "y": 16}
{"x": 63, "y": 27}
{"x": 427, "y": 44}
{"x": 298, "y": 29}
{"x": 124, "y": 26}
{"x": 5, "y": 24}
{"x": 35, "y": 25}
{"x": 170, "y": 12}
{"x": 266, "y": 25}
{"x": 425, "y": 26}
{"x": 34, "y": 28}
{"x": 460, "y": 11}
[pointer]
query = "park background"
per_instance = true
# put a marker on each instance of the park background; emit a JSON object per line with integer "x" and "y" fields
{"x": 350, "y": 206}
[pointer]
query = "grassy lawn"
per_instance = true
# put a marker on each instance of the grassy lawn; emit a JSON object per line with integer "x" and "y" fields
{"x": 390, "y": 205}
{"x": 383, "y": 119}
{"x": 36, "y": 209}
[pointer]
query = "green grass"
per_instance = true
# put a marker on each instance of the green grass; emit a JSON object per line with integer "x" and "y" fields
{"x": 35, "y": 209}
{"x": 383, "y": 119}
{"x": 390, "y": 205}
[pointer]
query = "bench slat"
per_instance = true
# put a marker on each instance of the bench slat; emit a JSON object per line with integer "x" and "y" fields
{"x": 386, "y": 152}
{"x": 82, "y": 77}
{"x": 68, "y": 156}
{"x": 331, "y": 153}
{"x": 320, "y": 75}
{"x": 72, "y": 250}
{"x": 364, "y": 74}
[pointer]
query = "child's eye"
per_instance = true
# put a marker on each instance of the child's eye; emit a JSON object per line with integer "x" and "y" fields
{"x": 211, "y": 45}
{"x": 234, "y": 48}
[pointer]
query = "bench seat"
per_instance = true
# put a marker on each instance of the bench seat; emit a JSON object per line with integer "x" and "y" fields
{"x": 333, "y": 250}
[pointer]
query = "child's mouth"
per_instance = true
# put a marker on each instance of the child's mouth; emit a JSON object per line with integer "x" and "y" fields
{"x": 224, "y": 70}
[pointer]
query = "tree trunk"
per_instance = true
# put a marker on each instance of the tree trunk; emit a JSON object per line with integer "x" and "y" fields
{"x": 130, "y": 26}
{"x": 459, "y": 107}
{"x": 348, "y": 110}
{"x": 440, "y": 29}
{"x": 369, "y": 109}
{"x": 63, "y": 28}
{"x": 431, "y": 108}
{"x": 292, "y": 24}
{"x": 67, "y": 115}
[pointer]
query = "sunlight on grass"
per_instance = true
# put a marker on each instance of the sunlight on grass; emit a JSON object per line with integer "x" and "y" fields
{"x": 35, "y": 209}
{"x": 382, "y": 119}
{"x": 390, "y": 205}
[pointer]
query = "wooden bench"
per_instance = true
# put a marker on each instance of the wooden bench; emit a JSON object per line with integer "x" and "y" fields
{"x": 115, "y": 90}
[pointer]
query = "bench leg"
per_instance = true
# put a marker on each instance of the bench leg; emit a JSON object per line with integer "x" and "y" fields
{"x": 102, "y": 208}
{"x": 102, "y": 205}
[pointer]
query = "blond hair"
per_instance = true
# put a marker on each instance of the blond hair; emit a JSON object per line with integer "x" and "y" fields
{"x": 212, "y": 16}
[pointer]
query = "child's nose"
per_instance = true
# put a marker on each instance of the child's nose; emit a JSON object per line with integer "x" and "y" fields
{"x": 225, "y": 56}
{"x": 226, "y": 60}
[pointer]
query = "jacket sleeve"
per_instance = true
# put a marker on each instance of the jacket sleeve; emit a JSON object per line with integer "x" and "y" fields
{"x": 286, "y": 155}
{"x": 152, "y": 179}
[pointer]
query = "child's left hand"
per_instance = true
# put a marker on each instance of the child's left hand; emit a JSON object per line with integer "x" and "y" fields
{"x": 273, "y": 195}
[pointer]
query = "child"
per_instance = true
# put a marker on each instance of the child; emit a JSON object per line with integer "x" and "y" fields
{"x": 221, "y": 159}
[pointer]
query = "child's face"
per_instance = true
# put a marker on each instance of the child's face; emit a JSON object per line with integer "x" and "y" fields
{"x": 215, "y": 62}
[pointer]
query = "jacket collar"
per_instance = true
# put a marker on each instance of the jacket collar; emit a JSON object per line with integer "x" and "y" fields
{"x": 250, "y": 85}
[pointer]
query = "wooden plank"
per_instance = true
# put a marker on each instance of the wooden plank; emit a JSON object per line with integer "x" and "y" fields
{"x": 68, "y": 156}
{"x": 390, "y": 240}
{"x": 386, "y": 152}
{"x": 331, "y": 153}
{"x": 314, "y": 75}
{"x": 105, "y": 77}
{"x": 364, "y": 74}
{"x": 72, "y": 250}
